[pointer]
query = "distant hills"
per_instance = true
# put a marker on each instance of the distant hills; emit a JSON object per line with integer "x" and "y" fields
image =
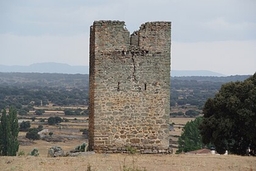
{"x": 68, "y": 69}
{"x": 46, "y": 68}
{"x": 183, "y": 73}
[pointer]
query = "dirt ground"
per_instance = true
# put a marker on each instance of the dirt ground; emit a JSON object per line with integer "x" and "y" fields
{"x": 115, "y": 162}
{"x": 136, "y": 162}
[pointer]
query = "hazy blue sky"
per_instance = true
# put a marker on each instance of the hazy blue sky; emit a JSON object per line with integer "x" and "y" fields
{"x": 216, "y": 35}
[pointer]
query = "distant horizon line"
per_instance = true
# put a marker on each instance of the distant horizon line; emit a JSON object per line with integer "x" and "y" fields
{"x": 84, "y": 65}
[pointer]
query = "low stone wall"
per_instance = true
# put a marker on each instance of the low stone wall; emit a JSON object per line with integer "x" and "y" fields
{"x": 134, "y": 149}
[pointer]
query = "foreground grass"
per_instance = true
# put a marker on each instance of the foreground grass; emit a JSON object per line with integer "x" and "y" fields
{"x": 124, "y": 162}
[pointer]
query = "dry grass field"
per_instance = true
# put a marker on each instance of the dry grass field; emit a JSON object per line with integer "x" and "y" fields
{"x": 124, "y": 162}
{"x": 70, "y": 136}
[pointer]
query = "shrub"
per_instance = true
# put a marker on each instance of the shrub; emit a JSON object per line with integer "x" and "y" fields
{"x": 39, "y": 112}
{"x": 54, "y": 120}
{"x": 84, "y": 131}
{"x": 24, "y": 126}
{"x": 68, "y": 112}
{"x": 131, "y": 150}
{"x": 192, "y": 113}
{"x": 34, "y": 152}
{"x": 40, "y": 128}
{"x": 33, "y": 134}
{"x": 22, "y": 112}
{"x": 50, "y": 133}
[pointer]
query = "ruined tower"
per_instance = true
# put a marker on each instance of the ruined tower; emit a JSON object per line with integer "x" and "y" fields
{"x": 129, "y": 87}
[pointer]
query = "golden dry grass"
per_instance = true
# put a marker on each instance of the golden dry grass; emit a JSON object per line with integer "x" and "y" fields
{"x": 115, "y": 162}
{"x": 182, "y": 121}
{"x": 43, "y": 146}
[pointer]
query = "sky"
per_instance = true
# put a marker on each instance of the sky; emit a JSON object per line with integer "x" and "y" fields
{"x": 215, "y": 35}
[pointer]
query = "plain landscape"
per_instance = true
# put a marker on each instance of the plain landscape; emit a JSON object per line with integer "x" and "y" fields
{"x": 132, "y": 85}
{"x": 31, "y": 93}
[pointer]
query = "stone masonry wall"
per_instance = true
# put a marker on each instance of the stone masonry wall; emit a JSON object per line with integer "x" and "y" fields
{"x": 129, "y": 87}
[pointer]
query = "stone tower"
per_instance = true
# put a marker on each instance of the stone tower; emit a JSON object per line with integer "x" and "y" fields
{"x": 129, "y": 87}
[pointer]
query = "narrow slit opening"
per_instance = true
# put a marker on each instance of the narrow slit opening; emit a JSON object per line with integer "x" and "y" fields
{"x": 145, "y": 86}
{"x": 118, "y": 86}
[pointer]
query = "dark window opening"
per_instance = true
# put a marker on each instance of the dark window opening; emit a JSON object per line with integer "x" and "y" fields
{"x": 145, "y": 86}
{"x": 118, "y": 86}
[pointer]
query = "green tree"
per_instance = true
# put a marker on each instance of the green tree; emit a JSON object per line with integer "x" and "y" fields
{"x": 192, "y": 113}
{"x": 5, "y": 134}
{"x": 33, "y": 134}
{"x": 39, "y": 111}
{"x": 24, "y": 125}
{"x": 9, "y": 130}
{"x": 22, "y": 112}
{"x": 230, "y": 117}
{"x": 14, "y": 143}
{"x": 54, "y": 120}
{"x": 68, "y": 112}
{"x": 190, "y": 138}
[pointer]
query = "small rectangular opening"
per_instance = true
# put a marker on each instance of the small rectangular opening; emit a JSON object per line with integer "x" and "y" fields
{"x": 145, "y": 86}
{"x": 118, "y": 86}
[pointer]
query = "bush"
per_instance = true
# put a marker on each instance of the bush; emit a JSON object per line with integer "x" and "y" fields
{"x": 24, "y": 126}
{"x": 40, "y": 128}
{"x": 39, "y": 112}
{"x": 50, "y": 133}
{"x": 68, "y": 112}
{"x": 192, "y": 113}
{"x": 54, "y": 120}
{"x": 22, "y": 112}
{"x": 131, "y": 150}
{"x": 81, "y": 148}
{"x": 34, "y": 152}
{"x": 33, "y": 134}
{"x": 177, "y": 114}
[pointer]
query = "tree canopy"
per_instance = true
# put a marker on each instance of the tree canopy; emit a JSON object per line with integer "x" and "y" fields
{"x": 190, "y": 138}
{"x": 24, "y": 125}
{"x": 229, "y": 120}
{"x": 9, "y": 130}
{"x": 54, "y": 120}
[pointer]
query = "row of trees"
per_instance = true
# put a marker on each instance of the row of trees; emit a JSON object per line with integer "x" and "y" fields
{"x": 37, "y": 96}
{"x": 228, "y": 122}
{"x": 196, "y": 90}
{"x": 9, "y": 130}
{"x": 187, "y": 114}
